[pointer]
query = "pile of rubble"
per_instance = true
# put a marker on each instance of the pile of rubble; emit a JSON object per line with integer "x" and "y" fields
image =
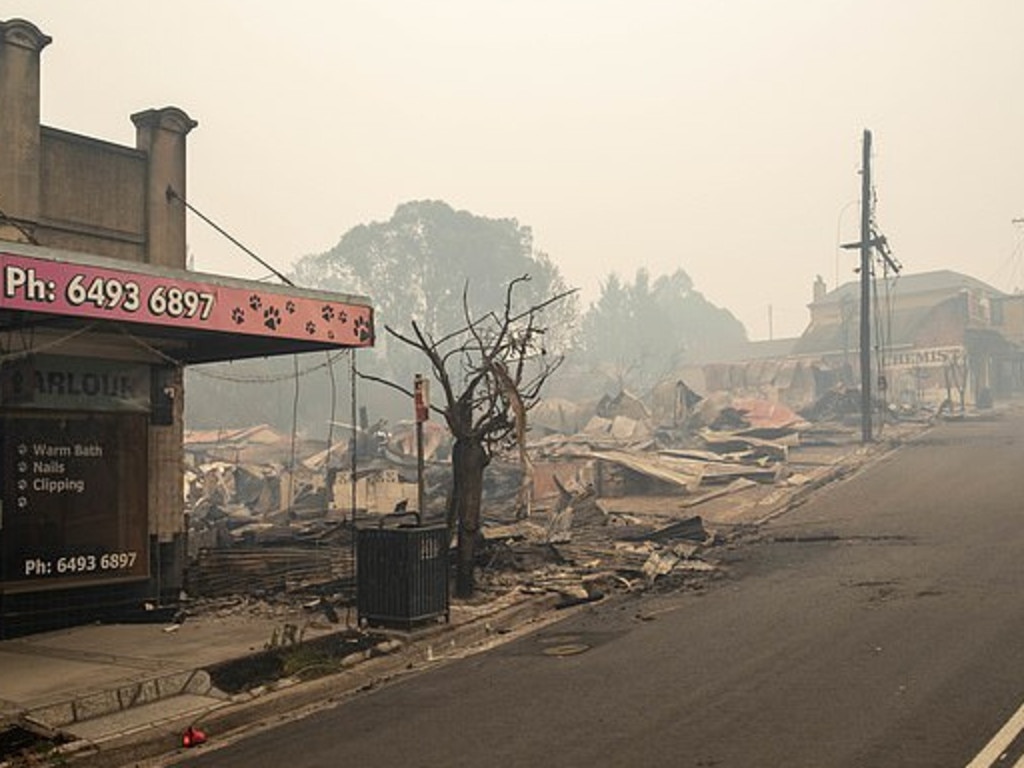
{"x": 622, "y": 495}
{"x": 620, "y": 499}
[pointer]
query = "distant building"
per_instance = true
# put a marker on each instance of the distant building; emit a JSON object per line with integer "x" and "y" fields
{"x": 935, "y": 335}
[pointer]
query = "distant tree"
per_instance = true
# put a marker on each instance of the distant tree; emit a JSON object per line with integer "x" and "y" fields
{"x": 490, "y": 371}
{"x": 638, "y": 332}
{"x": 415, "y": 265}
{"x": 607, "y": 335}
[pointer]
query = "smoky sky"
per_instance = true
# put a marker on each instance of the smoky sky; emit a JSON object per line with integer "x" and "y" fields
{"x": 718, "y": 136}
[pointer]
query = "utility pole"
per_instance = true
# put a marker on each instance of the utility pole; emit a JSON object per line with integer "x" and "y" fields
{"x": 869, "y": 240}
{"x": 865, "y": 291}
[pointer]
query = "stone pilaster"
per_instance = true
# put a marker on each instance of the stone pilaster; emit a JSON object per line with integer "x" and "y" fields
{"x": 20, "y": 45}
{"x": 161, "y": 134}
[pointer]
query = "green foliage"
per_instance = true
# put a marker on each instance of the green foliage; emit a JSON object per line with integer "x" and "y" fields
{"x": 307, "y": 663}
{"x": 638, "y": 332}
{"x": 418, "y": 265}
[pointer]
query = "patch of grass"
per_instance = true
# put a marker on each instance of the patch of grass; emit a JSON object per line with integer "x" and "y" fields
{"x": 306, "y": 660}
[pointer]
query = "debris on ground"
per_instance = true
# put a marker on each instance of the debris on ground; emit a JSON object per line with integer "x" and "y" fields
{"x": 620, "y": 501}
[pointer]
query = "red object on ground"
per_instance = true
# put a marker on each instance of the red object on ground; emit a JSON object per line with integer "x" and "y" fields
{"x": 192, "y": 737}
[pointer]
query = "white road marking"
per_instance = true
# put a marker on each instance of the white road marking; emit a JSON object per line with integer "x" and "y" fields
{"x": 992, "y": 751}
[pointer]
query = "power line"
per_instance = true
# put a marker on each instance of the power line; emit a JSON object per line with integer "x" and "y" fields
{"x": 173, "y": 195}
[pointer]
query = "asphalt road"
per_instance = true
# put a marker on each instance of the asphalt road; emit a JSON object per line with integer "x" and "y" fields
{"x": 880, "y": 624}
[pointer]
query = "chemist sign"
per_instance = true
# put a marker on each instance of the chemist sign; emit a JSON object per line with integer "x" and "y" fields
{"x": 74, "y": 499}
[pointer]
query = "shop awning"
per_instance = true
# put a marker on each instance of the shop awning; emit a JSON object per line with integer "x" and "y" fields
{"x": 183, "y": 316}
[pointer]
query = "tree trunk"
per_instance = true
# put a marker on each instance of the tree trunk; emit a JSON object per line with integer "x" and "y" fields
{"x": 468, "y": 462}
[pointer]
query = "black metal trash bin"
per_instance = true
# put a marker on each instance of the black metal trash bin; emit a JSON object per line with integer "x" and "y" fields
{"x": 401, "y": 575}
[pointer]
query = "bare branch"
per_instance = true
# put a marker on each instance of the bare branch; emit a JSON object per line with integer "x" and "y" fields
{"x": 395, "y": 386}
{"x": 495, "y": 392}
{"x": 546, "y": 303}
{"x": 385, "y": 382}
{"x": 490, "y": 315}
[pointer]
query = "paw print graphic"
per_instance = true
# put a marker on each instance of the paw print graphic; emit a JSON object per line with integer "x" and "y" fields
{"x": 289, "y": 307}
{"x": 255, "y": 302}
{"x": 330, "y": 335}
{"x": 238, "y": 315}
{"x": 327, "y": 312}
{"x": 343, "y": 317}
{"x": 361, "y": 328}
{"x": 310, "y": 327}
{"x": 272, "y": 318}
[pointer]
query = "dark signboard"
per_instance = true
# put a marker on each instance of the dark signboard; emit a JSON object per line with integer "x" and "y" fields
{"x": 74, "y": 499}
{"x": 72, "y": 383}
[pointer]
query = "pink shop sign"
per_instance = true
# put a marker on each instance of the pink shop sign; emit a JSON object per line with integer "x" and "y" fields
{"x": 83, "y": 290}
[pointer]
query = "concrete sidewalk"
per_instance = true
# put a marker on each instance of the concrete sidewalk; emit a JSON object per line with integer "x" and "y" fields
{"x": 69, "y": 676}
{"x": 125, "y": 692}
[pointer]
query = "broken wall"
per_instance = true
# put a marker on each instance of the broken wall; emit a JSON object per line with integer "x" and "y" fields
{"x": 792, "y": 382}
{"x": 377, "y": 492}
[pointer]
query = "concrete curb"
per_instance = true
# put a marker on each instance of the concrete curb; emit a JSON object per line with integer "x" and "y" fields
{"x": 107, "y": 702}
{"x": 796, "y": 496}
{"x": 227, "y": 720}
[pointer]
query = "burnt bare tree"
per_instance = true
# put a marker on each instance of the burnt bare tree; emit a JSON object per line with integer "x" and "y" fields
{"x": 490, "y": 373}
